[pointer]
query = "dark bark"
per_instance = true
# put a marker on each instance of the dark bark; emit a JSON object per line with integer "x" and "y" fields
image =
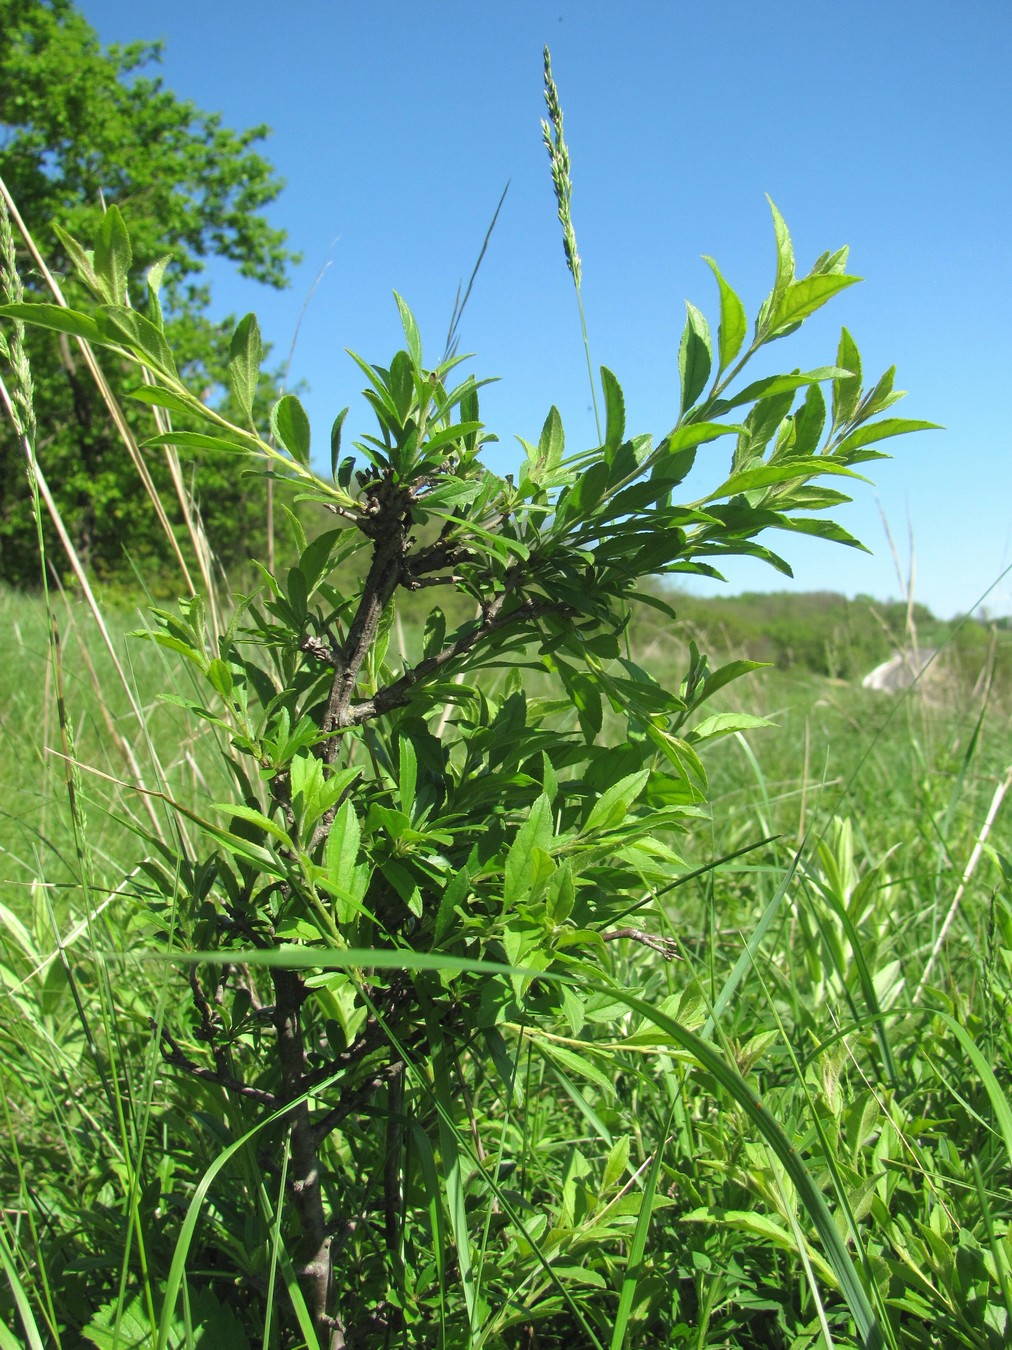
{"x": 304, "y": 1174}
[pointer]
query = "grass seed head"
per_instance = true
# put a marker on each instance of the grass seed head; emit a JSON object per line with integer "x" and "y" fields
{"x": 558, "y": 154}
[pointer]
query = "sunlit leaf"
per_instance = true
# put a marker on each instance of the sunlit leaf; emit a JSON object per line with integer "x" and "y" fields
{"x": 245, "y": 354}
{"x": 290, "y": 426}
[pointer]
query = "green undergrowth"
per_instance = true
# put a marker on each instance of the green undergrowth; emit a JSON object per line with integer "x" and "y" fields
{"x": 810, "y": 948}
{"x": 419, "y": 951}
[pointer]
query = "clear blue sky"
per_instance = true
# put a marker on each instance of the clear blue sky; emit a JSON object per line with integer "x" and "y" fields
{"x": 885, "y": 126}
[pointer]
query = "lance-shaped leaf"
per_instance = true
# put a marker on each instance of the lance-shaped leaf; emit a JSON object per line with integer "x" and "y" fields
{"x": 614, "y": 402}
{"x": 290, "y": 426}
{"x": 410, "y": 332}
{"x": 245, "y": 354}
{"x": 534, "y": 833}
{"x": 153, "y": 278}
{"x": 768, "y": 475}
{"x": 552, "y": 442}
{"x": 133, "y": 330}
{"x": 113, "y": 256}
{"x": 852, "y": 446}
{"x": 162, "y": 398}
{"x": 784, "y": 276}
{"x": 808, "y": 423}
{"x": 847, "y": 388}
{"x": 335, "y": 450}
{"x": 341, "y": 852}
{"x": 57, "y": 318}
{"x": 82, "y": 258}
{"x": 695, "y": 356}
{"x": 613, "y": 805}
{"x": 733, "y": 323}
{"x": 802, "y": 298}
{"x": 774, "y": 384}
{"x": 196, "y": 440}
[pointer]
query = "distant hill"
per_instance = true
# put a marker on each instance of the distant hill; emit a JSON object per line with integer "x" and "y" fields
{"x": 826, "y": 633}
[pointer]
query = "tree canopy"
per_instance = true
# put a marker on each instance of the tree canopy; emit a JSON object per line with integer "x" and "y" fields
{"x": 81, "y": 128}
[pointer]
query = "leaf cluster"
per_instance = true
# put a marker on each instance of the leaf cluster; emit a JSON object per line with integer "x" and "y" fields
{"x": 426, "y": 863}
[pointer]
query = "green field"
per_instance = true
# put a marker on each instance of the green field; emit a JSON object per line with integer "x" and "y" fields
{"x": 460, "y": 940}
{"x": 880, "y": 1050}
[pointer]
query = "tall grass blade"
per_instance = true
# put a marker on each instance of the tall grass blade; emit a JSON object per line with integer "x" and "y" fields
{"x": 20, "y": 1296}
{"x": 637, "y": 1247}
{"x": 452, "y": 1171}
{"x": 999, "y": 1102}
{"x": 998, "y": 1253}
{"x": 971, "y": 867}
{"x": 747, "y": 959}
{"x": 177, "y": 1269}
{"x": 811, "y": 1197}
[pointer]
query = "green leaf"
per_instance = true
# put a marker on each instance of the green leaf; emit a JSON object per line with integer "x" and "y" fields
{"x": 767, "y": 475}
{"x": 819, "y": 529}
{"x": 57, "y": 318}
{"x": 245, "y": 354}
{"x": 535, "y": 833}
{"x": 725, "y": 724}
{"x": 803, "y": 298}
{"x": 880, "y": 431}
{"x": 880, "y": 398}
{"x": 561, "y": 894}
{"x": 339, "y": 475}
{"x": 785, "y": 255}
{"x": 733, "y": 323}
{"x": 160, "y": 398}
{"x": 410, "y": 332}
{"x": 131, "y": 329}
{"x": 616, "y": 1163}
{"x": 402, "y": 385}
{"x": 614, "y": 402}
{"x": 695, "y": 356}
{"x": 809, "y": 421}
{"x": 774, "y": 384}
{"x": 674, "y": 457}
{"x": 986, "y": 1076}
{"x": 455, "y": 894}
{"x": 257, "y": 818}
{"x": 456, "y": 492}
{"x": 572, "y": 1063}
{"x": 82, "y": 258}
{"x": 153, "y": 280}
{"x": 847, "y": 388}
{"x": 220, "y": 675}
{"x": 341, "y": 854}
{"x": 725, "y": 674}
{"x": 290, "y": 426}
{"x": 612, "y": 806}
{"x": 113, "y": 256}
{"x": 407, "y": 775}
{"x": 552, "y": 443}
{"x": 197, "y": 440}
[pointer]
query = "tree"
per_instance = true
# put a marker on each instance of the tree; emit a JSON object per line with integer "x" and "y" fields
{"x": 82, "y": 129}
{"x": 420, "y": 874}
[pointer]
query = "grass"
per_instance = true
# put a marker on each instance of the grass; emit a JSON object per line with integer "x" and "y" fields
{"x": 900, "y": 1109}
{"x": 798, "y": 1133}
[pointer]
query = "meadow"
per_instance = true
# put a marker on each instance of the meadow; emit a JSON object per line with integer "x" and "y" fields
{"x": 852, "y": 830}
{"x": 531, "y": 966}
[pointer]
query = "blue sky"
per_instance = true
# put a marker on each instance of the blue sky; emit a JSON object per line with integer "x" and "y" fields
{"x": 883, "y": 126}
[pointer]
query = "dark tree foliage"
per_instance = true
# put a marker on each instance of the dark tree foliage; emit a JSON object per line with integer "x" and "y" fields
{"x": 82, "y": 128}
